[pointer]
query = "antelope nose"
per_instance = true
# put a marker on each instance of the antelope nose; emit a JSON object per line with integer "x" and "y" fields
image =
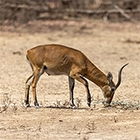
{"x": 106, "y": 104}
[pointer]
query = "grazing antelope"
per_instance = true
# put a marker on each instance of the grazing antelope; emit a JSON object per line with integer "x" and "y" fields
{"x": 61, "y": 60}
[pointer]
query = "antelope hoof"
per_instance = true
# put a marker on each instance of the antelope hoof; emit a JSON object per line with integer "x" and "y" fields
{"x": 36, "y": 105}
{"x": 73, "y": 106}
{"x": 26, "y": 104}
{"x": 89, "y": 100}
{"x": 88, "y": 104}
{"x": 106, "y": 105}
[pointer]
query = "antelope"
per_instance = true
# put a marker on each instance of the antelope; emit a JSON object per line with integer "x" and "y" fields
{"x": 55, "y": 59}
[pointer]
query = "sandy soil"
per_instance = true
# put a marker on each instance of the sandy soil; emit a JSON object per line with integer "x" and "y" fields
{"x": 108, "y": 45}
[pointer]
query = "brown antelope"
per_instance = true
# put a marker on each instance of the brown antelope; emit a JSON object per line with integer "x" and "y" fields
{"x": 61, "y": 60}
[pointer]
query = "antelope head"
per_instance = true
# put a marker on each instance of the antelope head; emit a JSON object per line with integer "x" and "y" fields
{"x": 109, "y": 90}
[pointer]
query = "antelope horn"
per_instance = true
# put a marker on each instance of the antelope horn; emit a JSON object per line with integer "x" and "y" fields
{"x": 119, "y": 76}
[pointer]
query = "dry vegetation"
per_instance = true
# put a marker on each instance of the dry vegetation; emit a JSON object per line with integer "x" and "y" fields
{"x": 23, "y": 11}
{"x": 108, "y": 45}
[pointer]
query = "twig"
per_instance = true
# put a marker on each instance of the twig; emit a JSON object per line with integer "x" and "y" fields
{"x": 123, "y": 13}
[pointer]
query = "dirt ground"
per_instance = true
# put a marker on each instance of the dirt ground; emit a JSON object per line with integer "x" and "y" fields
{"x": 108, "y": 46}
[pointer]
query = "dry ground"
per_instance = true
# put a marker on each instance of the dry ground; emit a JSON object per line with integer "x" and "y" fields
{"x": 108, "y": 45}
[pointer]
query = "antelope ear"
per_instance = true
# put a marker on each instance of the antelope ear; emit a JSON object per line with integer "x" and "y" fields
{"x": 109, "y": 76}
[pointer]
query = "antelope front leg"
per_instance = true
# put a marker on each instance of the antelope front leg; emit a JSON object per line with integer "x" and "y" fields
{"x": 71, "y": 88}
{"x": 85, "y": 83}
{"x": 87, "y": 90}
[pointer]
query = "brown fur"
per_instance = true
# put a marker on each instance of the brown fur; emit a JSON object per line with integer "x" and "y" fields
{"x": 58, "y": 59}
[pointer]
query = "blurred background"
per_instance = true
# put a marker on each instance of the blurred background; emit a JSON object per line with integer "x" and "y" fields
{"x": 13, "y": 12}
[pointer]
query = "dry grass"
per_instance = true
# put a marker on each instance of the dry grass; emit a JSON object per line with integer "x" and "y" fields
{"x": 125, "y": 105}
{"x": 91, "y": 127}
{"x": 7, "y": 102}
